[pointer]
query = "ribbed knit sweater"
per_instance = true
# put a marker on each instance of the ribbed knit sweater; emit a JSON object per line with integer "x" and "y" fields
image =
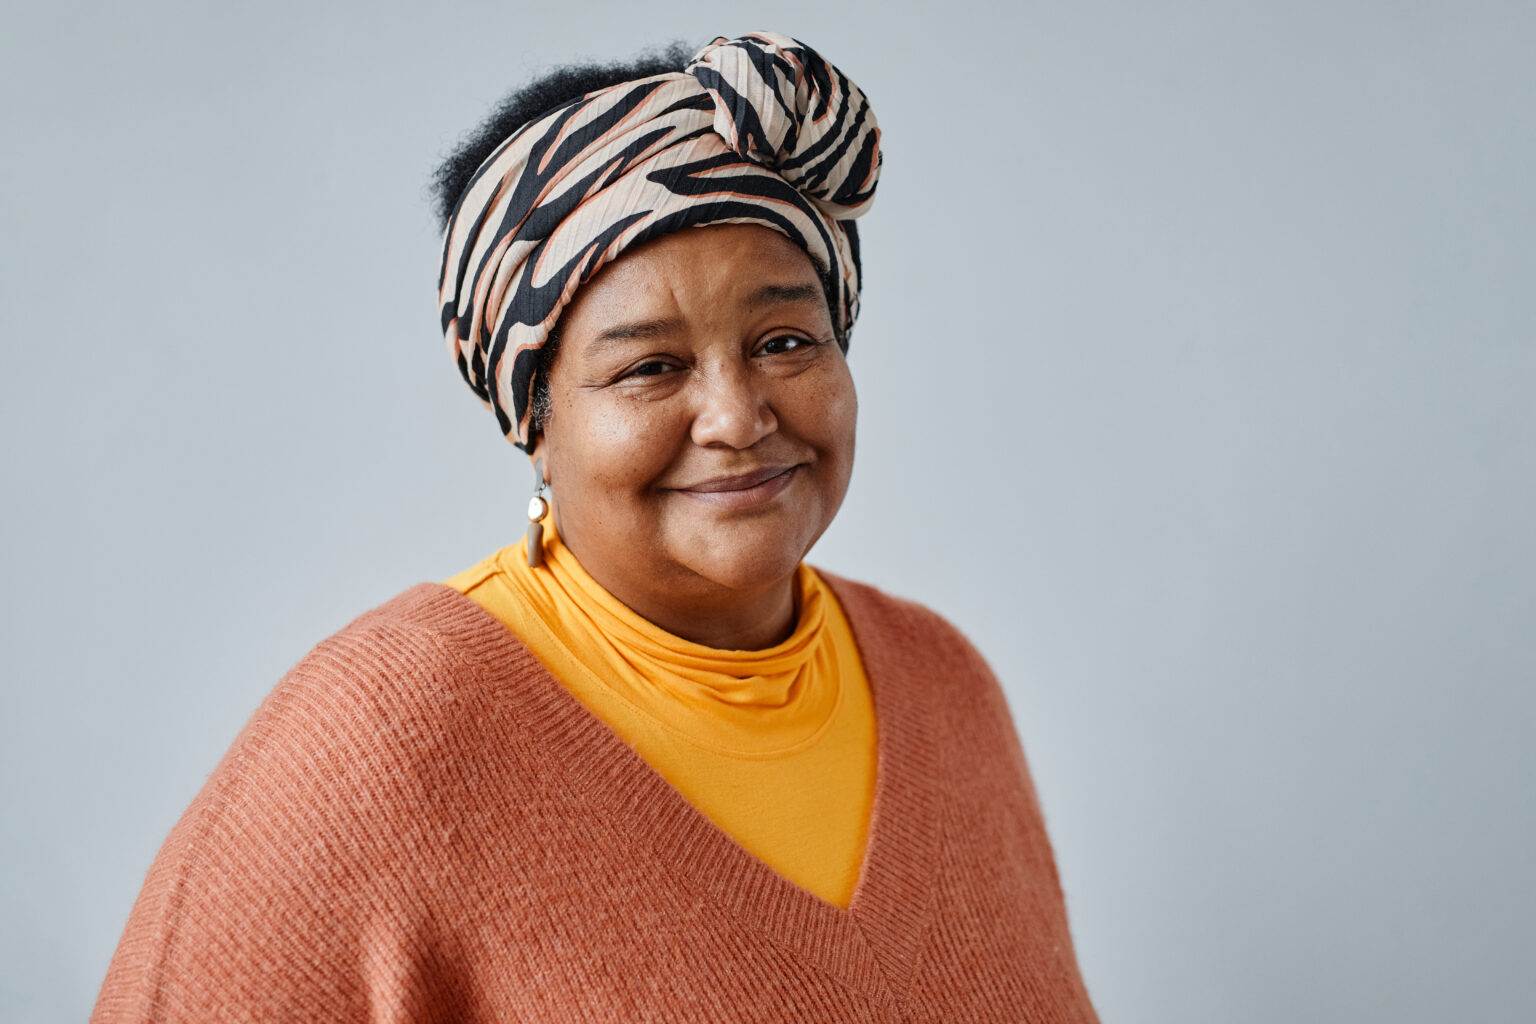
{"x": 421, "y": 824}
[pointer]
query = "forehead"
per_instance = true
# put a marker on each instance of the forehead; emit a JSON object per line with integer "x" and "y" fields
{"x": 729, "y": 266}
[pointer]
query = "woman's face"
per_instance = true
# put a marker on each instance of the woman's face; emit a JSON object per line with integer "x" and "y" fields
{"x": 700, "y": 437}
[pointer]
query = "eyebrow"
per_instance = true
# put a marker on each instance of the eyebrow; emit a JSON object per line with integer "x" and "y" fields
{"x": 771, "y": 294}
{"x": 767, "y": 295}
{"x": 639, "y": 329}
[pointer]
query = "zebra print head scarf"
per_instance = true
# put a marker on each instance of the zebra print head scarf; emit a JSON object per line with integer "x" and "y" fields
{"x": 756, "y": 130}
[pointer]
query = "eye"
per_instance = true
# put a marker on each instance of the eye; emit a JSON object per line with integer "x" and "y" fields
{"x": 649, "y": 368}
{"x": 784, "y": 343}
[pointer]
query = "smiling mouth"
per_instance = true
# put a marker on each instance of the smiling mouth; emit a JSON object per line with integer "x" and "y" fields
{"x": 744, "y": 491}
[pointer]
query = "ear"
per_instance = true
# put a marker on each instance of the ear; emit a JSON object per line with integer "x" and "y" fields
{"x": 538, "y": 457}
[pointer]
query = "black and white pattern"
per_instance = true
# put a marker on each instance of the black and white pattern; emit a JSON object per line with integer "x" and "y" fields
{"x": 756, "y": 130}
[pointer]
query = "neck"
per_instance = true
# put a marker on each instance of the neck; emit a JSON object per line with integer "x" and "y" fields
{"x": 712, "y": 615}
{"x": 738, "y": 624}
{"x": 725, "y": 619}
{"x": 697, "y": 608}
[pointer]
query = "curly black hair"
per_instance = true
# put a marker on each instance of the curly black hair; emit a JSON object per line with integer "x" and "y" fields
{"x": 542, "y": 94}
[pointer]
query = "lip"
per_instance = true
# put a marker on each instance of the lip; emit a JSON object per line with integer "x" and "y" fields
{"x": 743, "y": 490}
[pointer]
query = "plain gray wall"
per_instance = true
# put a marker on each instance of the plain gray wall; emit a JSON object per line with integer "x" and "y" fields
{"x": 1196, "y": 370}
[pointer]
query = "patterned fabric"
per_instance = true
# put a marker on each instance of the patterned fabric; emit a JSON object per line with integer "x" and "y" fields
{"x": 756, "y": 130}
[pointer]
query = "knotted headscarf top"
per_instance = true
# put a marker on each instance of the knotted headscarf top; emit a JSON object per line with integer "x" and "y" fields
{"x": 756, "y": 130}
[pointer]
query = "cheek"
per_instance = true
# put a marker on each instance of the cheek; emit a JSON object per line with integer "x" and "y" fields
{"x": 848, "y": 410}
{"x": 609, "y": 452}
{"x": 836, "y": 408}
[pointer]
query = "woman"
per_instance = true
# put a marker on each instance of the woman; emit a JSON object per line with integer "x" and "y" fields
{"x": 646, "y": 765}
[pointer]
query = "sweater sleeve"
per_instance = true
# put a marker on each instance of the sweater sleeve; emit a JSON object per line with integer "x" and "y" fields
{"x": 285, "y": 891}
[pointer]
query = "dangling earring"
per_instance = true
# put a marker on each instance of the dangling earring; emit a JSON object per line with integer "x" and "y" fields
{"x": 538, "y": 508}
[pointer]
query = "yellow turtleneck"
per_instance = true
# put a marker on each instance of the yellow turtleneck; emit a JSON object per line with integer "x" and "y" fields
{"x": 776, "y": 747}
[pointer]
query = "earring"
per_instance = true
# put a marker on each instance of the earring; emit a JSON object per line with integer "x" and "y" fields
{"x": 538, "y": 508}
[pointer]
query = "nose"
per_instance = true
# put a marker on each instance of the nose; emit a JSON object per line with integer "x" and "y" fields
{"x": 732, "y": 411}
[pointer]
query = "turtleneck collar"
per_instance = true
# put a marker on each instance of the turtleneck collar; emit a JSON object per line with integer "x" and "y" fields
{"x": 746, "y": 703}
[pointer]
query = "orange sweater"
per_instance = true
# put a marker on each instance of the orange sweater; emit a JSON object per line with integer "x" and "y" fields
{"x": 777, "y": 747}
{"x": 420, "y": 824}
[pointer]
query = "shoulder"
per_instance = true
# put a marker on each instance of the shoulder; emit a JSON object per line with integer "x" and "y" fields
{"x": 364, "y": 739}
{"x": 387, "y": 693}
{"x": 338, "y": 797}
{"x": 366, "y": 719}
{"x": 913, "y": 648}
{"x": 382, "y": 679}
{"x": 427, "y": 640}
{"x": 884, "y": 621}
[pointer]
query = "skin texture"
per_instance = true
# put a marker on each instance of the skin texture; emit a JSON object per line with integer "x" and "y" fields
{"x": 688, "y": 364}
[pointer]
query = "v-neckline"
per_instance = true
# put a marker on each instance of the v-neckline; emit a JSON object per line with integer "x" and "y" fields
{"x": 873, "y": 944}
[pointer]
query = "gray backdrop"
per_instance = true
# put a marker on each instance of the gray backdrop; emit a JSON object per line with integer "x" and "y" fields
{"x": 1196, "y": 369}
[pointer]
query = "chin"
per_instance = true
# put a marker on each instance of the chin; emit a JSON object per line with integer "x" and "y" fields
{"x": 739, "y": 561}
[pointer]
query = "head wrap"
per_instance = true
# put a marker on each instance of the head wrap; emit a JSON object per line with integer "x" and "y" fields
{"x": 756, "y": 130}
